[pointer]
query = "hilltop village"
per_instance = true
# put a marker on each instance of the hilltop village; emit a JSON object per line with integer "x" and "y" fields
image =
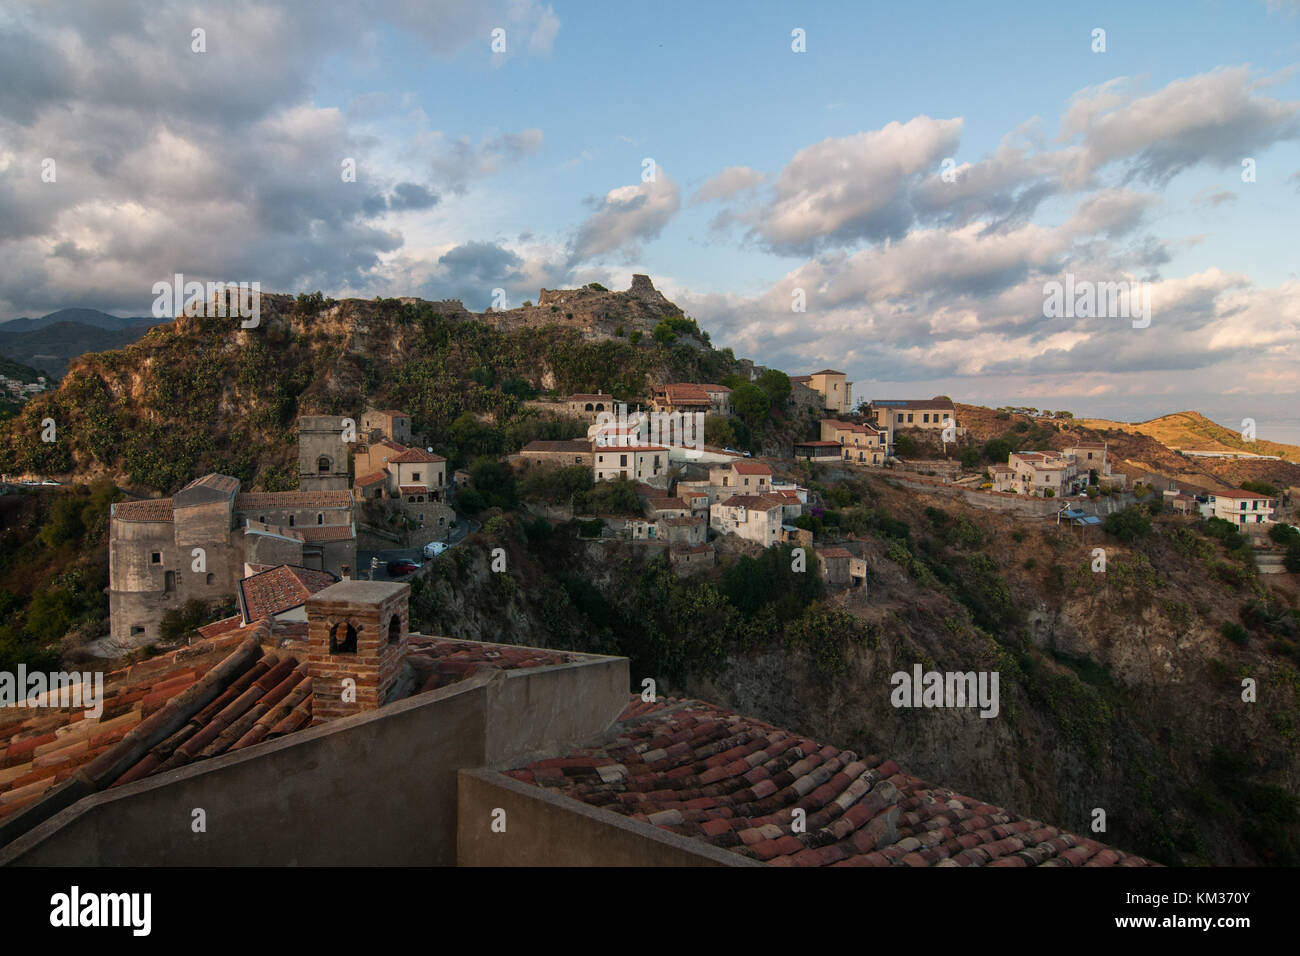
{"x": 269, "y": 632}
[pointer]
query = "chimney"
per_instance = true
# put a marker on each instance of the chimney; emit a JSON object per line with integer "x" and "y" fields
{"x": 357, "y": 633}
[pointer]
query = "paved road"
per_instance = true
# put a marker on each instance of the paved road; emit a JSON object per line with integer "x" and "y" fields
{"x": 464, "y": 527}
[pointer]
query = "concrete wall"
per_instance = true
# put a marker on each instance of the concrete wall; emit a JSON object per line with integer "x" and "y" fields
{"x": 547, "y": 829}
{"x": 378, "y": 788}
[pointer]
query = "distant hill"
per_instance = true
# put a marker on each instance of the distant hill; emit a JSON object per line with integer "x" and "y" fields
{"x": 17, "y": 370}
{"x": 1192, "y": 431}
{"x": 100, "y": 320}
{"x": 49, "y": 346}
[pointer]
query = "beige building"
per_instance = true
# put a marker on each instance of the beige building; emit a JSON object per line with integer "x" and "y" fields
{"x": 586, "y": 406}
{"x": 895, "y": 414}
{"x": 860, "y": 444}
{"x": 756, "y": 518}
{"x": 648, "y": 463}
{"x": 832, "y": 386}
{"x": 163, "y": 552}
{"x": 1043, "y": 474}
{"x": 743, "y": 477}
{"x": 682, "y": 397}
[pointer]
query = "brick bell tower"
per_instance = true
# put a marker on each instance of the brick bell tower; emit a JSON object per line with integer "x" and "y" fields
{"x": 357, "y": 630}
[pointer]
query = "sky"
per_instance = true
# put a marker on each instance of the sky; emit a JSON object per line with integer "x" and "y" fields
{"x": 914, "y": 176}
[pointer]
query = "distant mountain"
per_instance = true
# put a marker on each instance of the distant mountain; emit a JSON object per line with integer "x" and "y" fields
{"x": 50, "y": 346}
{"x": 100, "y": 320}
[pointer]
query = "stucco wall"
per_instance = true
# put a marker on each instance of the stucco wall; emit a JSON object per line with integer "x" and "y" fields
{"x": 546, "y": 829}
{"x": 376, "y": 788}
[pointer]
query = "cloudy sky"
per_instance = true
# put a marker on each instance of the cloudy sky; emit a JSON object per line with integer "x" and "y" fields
{"x": 915, "y": 175}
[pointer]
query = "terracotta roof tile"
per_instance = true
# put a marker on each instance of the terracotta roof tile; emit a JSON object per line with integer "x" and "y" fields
{"x": 733, "y": 782}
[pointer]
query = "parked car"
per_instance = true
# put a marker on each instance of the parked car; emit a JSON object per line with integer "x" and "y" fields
{"x": 402, "y": 567}
{"x": 434, "y": 548}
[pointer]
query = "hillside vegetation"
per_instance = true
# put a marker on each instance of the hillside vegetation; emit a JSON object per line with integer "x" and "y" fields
{"x": 201, "y": 394}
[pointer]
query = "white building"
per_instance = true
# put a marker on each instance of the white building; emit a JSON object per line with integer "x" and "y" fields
{"x": 634, "y": 462}
{"x": 755, "y": 518}
{"x": 1242, "y": 507}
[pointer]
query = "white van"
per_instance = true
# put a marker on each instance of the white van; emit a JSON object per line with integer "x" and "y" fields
{"x": 434, "y": 548}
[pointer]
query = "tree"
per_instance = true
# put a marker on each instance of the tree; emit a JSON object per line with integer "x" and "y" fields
{"x": 996, "y": 450}
{"x": 776, "y": 385}
{"x": 1128, "y": 525}
{"x": 750, "y": 403}
{"x": 970, "y": 457}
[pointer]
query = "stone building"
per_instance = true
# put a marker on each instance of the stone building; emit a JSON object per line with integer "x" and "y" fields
{"x": 392, "y": 425}
{"x": 165, "y": 551}
{"x": 322, "y": 453}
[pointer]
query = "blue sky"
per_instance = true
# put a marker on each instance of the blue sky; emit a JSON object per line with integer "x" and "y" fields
{"x": 820, "y": 171}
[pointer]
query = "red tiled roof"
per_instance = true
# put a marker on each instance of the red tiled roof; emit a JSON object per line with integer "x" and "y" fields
{"x": 620, "y": 448}
{"x": 374, "y": 478}
{"x": 684, "y": 393}
{"x": 709, "y": 387}
{"x": 416, "y": 456}
{"x": 324, "y": 533}
{"x": 1239, "y": 495}
{"x": 668, "y": 504}
{"x": 834, "y": 553}
{"x": 229, "y": 691}
{"x": 758, "y": 502}
{"x": 150, "y": 509}
{"x": 731, "y": 781}
{"x": 273, "y": 500}
{"x": 412, "y": 489}
{"x": 852, "y": 427}
{"x": 827, "y": 371}
{"x": 750, "y": 468}
{"x": 589, "y": 397}
{"x": 272, "y": 592}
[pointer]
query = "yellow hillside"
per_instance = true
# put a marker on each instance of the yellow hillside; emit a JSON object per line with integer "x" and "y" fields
{"x": 1192, "y": 431}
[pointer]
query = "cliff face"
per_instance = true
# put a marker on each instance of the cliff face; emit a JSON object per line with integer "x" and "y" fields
{"x": 1118, "y": 691}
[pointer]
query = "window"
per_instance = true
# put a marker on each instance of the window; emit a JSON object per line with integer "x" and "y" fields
{"x": 622, "y": 461}
{"x": 589, "y": 408}
{"x": 909, "y": 418}
{"x": 169, "y": 580}
{"x": 137, "y": 630}
{"x": 415, "y": 477}
{"x": 155, "y": 557}
{"x": 925, "y": 419}
{"x": 440, "y": 477}
{"x": 262, "y": 519}
{"x": 394, "y": 629}
{"x": 290, "y": 521}
{"x": 212, "y": 578}
{"x": 410, "y": 499}
{"x": 343, "y": 639}
{"x": 322, "y": 465}
{"x": 320, "y": 517}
